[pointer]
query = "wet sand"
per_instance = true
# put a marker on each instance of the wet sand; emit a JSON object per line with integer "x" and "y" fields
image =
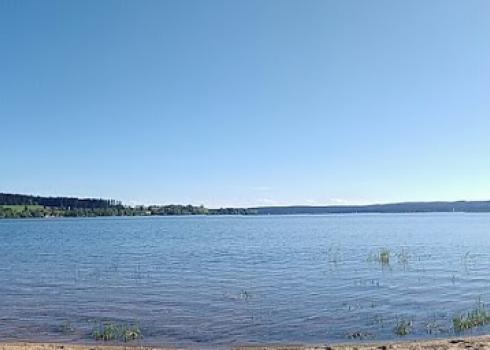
{"x": 467, "y": 343}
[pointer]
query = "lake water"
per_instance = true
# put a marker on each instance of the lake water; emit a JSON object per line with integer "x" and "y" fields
{"x": 219, "y": 281}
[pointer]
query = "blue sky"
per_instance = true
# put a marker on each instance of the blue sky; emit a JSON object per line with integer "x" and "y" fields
{"x": 243, "y": 103}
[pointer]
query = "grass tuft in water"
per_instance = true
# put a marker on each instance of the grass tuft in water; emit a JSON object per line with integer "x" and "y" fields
{"x": 434, "y": 327}
{"x": 403, "y": 257}
{"x": 67, "y": 328}
{"x": 111, "y": 331}
{"x": 360, "y": 335}
{"x": 384, "y": 256}
{"x": 403, "y": 328}
{"x": 477, "y": 317}
{"x": 245, "y": 295}
{"x": 130, "y": 333}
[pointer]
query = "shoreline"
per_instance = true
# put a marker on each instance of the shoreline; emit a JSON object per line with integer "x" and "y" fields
{"x": 49, "y": 218}
{"x": 453, "y": 343}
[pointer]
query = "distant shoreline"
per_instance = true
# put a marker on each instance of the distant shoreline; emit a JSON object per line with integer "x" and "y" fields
{"x": 29, "y": 206}
{"x": 49, "y": 218}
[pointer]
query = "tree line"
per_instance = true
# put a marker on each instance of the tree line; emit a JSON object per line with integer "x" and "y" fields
{"x": 58, "y": 202}
{"x": 25, "y": 206}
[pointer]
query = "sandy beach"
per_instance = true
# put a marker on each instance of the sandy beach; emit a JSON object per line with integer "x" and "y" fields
{"x": 467, "y": 343}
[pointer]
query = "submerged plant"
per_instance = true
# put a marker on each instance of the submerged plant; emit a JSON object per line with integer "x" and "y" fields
{"x": 111, "y": 331}
{"x": 105, "y": 332}
{"x": 67, "y": 328}
{"x": 403, "y": 257}
{"x": 403, "y": 328}
{"x": 130, "y": 333}
{"x": 360, "y": 335}
{"x": 434, "y": 327}
{"x": 334, "y": 254}
{"x": 477, "y": 317}
{"x": 377, "y": 320}
{"x": 245, "y": 294}
{"x": 384, "y": 256}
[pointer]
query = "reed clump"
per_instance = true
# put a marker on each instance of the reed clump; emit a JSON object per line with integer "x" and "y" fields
{"x": 477, "y": 317}
{"x": 112, "y": 331}
{"x": 403, "y": 328}
{"x": 382, "y": 256}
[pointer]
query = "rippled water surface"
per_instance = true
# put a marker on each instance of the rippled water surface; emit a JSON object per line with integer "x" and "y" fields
{"x": 219, "y": 281}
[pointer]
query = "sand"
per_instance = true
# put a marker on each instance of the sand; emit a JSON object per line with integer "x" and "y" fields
{"x": 469, "y": 343}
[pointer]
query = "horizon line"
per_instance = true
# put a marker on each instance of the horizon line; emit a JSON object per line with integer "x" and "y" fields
{"x": 343, "y": 205}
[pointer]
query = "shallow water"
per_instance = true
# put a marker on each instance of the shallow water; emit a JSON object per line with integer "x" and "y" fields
{"x": 219, "y": 281}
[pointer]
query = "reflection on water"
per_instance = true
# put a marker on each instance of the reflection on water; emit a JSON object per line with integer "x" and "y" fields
{"x": 217, "y": 281}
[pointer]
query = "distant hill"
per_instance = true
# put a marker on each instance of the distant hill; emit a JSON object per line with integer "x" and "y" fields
{"x": 58, "y": 202}
{"x": 408, "y": 207}
{"x": 20, "y": 205}
{"x": 28, "y": 206}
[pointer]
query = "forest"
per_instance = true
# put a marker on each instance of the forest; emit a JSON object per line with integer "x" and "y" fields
{"x": 27, "y": 206}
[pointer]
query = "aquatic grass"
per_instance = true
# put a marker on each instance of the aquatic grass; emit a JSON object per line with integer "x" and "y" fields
{"x": 434, "y": 327}
{"x": 403, "y": 257}
{"x": 352, "y": 307}
{"x": 106, "y": 332}
{"x": 403, "y": 327}
{"x": 130, "y": 333}
{"x": 360, "y": 335}
{"x": 112, "y": 331}
{"x": 67, "y": 328}
{"x": 378, "y": 321}
{"x": 334, "y": 254}
{"x": 245, "y": 295}
{"x": 477, "y": 317}
{"x": 384, "y": 256}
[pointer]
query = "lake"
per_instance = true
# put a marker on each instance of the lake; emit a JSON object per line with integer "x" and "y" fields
{"x": 219, "y": 281}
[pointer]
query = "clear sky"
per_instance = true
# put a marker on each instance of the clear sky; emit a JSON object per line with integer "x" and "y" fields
{"x": 243, "y": 103}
